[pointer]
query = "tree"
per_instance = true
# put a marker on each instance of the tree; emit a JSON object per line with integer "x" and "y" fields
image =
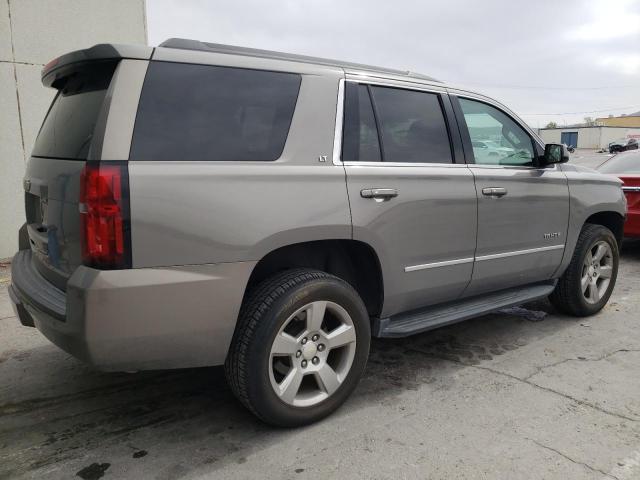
{"x": 589, "y": 121}
{"x": 552, "y": 125}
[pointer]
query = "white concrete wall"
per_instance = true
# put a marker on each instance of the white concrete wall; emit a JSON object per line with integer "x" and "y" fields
{"x": 589, "y": 138}
{"x": 33, "y": 32}
{"x": 595, "y": 138}
{"x": 611, "y": 134}
{"x": 550, "y": 136}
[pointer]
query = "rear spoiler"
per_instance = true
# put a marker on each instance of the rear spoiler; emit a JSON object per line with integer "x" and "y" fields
{"x": 61, "y": 67}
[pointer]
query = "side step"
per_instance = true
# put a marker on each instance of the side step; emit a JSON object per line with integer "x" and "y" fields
{"x": 416, "y": 321}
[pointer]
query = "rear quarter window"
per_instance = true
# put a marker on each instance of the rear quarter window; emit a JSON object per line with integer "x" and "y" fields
{"x": 201, "y": 112}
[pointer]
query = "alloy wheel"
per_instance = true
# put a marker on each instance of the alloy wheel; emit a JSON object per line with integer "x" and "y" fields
{"x": 312, "y": 354}
{"x": 597, "y": 270}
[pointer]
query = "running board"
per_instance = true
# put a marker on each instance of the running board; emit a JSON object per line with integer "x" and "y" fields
{"x": 416, "y": 321}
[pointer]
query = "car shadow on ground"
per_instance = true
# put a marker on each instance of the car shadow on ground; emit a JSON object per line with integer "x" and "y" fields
{"x": 77, "y": 412}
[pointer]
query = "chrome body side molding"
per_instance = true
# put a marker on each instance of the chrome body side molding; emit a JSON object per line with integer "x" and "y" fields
{"x": 458, "y": 261}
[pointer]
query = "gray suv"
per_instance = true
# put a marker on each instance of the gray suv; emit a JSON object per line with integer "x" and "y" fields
{"x": 199, "y": 204}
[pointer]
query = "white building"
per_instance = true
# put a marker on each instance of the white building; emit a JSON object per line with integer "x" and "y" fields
{"x": 33, "y": 32}
{"x": 587, "y": 137}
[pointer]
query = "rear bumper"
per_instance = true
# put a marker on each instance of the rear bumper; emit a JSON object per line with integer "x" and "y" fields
{"x": 138, "y": 319}
{"x": 18, "y": 308}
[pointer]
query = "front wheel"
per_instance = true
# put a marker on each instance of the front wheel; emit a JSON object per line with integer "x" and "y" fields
{"x": 300, "y": 347}
{"x": 586, "y": 285}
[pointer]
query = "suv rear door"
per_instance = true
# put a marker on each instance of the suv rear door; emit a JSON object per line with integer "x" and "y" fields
{"x": 523, "y": 209}
{"x": 52, "y": 178}
{"x": 409, "y": 198}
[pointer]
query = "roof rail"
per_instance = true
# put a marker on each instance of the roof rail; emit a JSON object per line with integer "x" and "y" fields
{"x": 185, "y": 44}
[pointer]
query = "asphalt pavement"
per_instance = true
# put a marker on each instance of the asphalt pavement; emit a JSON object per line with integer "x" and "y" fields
{"x": 522, "y": 393}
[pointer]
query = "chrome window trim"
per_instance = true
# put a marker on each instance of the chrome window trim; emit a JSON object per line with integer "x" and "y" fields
{"x": 337, "y": 136}
{"x": 391, "y": 77}
{"x": 446, "y": 263}
{"x": 495, "y": 256}
{"x": 398, "y": 84}
{"x": 513, "y": 167}
{"x": 337, "y": 141}
{"x": 403, "y": 164}
{"x": 519, "y": 252}
{"x": 631, "y": 189}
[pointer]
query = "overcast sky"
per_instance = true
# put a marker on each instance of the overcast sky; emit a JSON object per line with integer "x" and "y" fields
{"x": 578, "y": 58}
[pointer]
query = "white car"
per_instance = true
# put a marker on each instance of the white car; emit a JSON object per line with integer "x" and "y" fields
{"x": 490, "y": 151}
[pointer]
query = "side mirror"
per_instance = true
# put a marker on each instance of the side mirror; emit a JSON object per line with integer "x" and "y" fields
{"x": 555, "y": 153}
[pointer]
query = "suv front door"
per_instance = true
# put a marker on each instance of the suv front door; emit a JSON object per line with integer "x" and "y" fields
{"x": 409, "y": 199}
{"x": 523, "y": 208}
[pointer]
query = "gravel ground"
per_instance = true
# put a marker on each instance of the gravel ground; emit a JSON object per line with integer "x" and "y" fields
{"x": 522, "y": 393}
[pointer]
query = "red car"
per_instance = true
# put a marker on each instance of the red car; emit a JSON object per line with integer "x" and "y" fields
{"x": 626, "y": 166}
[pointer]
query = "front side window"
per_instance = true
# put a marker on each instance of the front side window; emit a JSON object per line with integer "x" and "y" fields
{"x": 495, "y": 138}
{"x": 412, "y": 126}
{"x": 203, "y": 112}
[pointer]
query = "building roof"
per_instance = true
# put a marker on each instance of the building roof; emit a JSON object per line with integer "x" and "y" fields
{"x": 185, "y": 44}
{"x": 634, "y": 114}
{"x": 575, "y": 127}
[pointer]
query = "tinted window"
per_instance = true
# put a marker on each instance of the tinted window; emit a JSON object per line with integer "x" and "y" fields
{"x": 628, "y": 162}
{"x": 360, "y": 135}
{"x": 496, "y": 139}
{"x": 412, "y": 125}
{"x": 67, "y": 130}
{"x": 201, "y": 112}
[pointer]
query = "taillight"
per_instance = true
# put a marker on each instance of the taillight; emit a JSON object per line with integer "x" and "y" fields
{"x": 104, "y": 215}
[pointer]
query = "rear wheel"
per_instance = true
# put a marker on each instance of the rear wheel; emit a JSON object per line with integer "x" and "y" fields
{"x": 586, "y": 285}
{"x": 300, "y": 347}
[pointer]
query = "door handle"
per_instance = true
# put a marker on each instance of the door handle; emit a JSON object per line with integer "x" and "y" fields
{"x": 379, "y": 193}
{"x": 494, "y": 192}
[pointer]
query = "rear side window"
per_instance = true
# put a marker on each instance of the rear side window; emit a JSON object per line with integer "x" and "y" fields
{"x": 67, "y": 131}
{"x": 360, "y": 134}
{"x": 412, "y": 126}
{"x": 202, "y": 112}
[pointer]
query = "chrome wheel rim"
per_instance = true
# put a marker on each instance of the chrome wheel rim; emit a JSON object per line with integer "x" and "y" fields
{"x": 597, "y": 270}
{"x": 312, "y": 353}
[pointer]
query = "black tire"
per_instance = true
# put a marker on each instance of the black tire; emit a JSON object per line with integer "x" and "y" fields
{"x": 264, "y": 311}
{"x": 568, "y": 296}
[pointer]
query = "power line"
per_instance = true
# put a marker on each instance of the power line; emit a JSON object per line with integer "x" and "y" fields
{"x": 628, "y": 107}
{"x": 540, "y": 87}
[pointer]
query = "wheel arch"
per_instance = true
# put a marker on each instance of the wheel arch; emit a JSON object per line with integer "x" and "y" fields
{"x": 354, "y": 261}
{"x": 611, "y": 220}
